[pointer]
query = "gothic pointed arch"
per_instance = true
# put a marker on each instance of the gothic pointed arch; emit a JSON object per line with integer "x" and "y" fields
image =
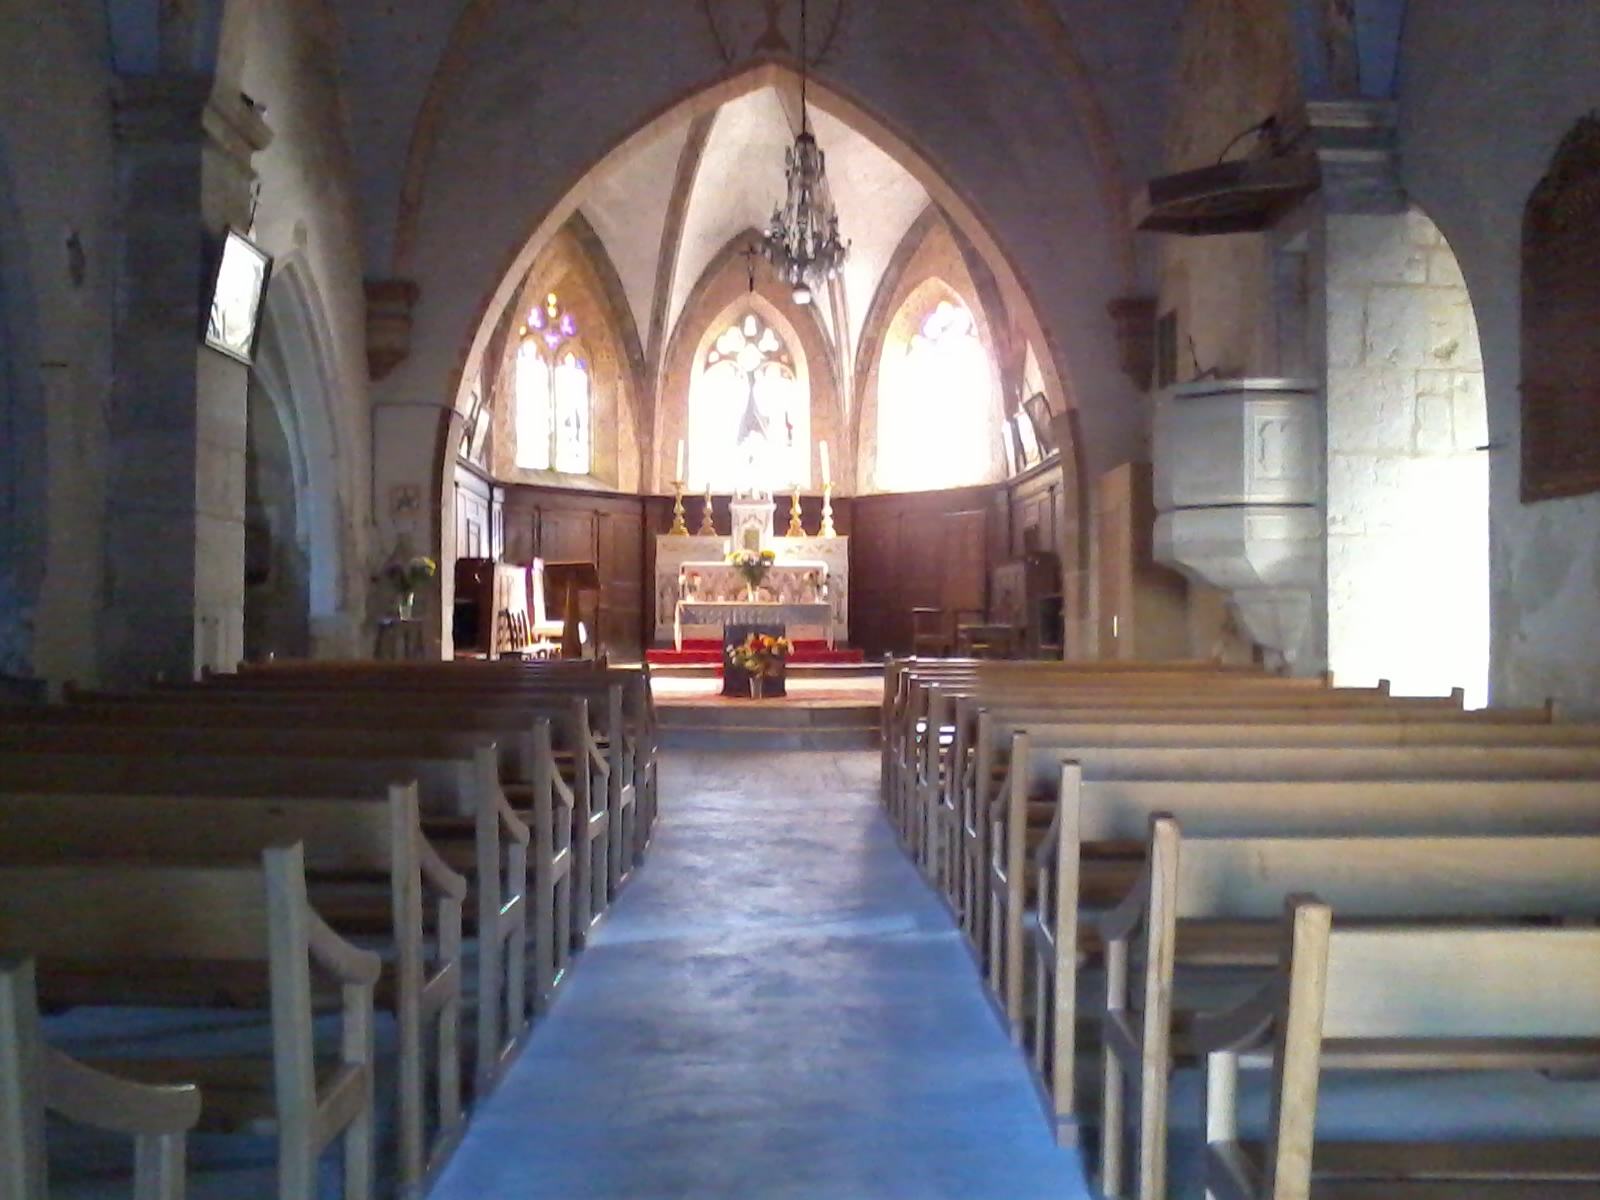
{"x": 299, "y": 568}
{"x": 561, "y": 376}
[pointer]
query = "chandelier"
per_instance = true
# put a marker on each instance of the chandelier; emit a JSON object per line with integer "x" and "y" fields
{"x": 802, "y": 241}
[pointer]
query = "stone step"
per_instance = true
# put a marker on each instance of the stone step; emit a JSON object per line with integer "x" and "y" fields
{"x": 767, "y": 737}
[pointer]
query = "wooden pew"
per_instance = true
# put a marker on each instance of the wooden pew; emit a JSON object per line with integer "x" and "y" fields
{"x": 1081, "y": 866}
{"x": 113, "y": 914}
{"x": 610, "y": 828}
{"x": 36, "y": 1078}
{"x": 458, "y": 784}
{"x": 346, "y": 838}
{"x": 1210, "y": 900}
{"x": 1349, "y": 998}
{"x": 1058, "y": 734}
{"x": 638, "y": 716}
{"x": 528, "y": 763}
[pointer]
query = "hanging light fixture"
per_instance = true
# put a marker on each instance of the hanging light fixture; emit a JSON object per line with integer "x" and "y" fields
{"x": 802, "y": 241}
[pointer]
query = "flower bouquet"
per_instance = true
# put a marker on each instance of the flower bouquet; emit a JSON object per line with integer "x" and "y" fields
{"x": 752, "y": 565}
{"x": 406, "y": 577}
{"x": 760, "y": 654}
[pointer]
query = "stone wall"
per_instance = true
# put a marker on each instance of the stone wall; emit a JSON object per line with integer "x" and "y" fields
{"x": 1488, "y": 89}
{"x": 1407, "y": 483}
{"x": 57, "y": 261}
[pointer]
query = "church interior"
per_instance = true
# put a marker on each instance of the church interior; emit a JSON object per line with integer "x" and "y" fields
{"x": 896, "y": 599}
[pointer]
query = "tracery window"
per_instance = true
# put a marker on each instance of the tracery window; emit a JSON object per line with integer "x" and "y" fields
{"x": 936, "y": 405}
{"x": 554, "y": 410}
{"x": 749, "y": 415}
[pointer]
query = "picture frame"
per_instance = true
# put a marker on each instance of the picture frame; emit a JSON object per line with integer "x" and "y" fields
{"x": 1037, "y": 406}
{"x": 1027, "y": 438}
{"x": 237, "y": 284}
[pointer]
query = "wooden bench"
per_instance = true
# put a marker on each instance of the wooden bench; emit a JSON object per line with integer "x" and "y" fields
{"x": 465, "y": 811}
{"x": 36, "y": 1078}
{"x": 983, "y": 777}
{"x": 346, "y": 839}
{"x": 1208, "y": 901}
{"x": 118, "y": 916}
{"x": 529, "y": 767}
{"x": 1395, "y": 1000}
{"x": 1084, "y": 864}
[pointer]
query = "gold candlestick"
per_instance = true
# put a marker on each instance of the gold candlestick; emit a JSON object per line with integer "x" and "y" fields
{"x": 827, "y": 529}
{"x": 795, "y": 528}
{"x": 679, "y": 529}
{"x": 708, "y": 527}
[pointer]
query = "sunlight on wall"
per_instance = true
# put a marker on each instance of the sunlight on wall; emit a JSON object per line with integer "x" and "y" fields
{"x": 1408, "y": 482}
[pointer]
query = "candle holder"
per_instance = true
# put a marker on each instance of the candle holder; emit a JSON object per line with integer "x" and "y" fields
{"x": 795, "y": 528}
{"x": 827, "y": 529}
{"x": 679, "y": 529}
{"x": 708, "y": 527}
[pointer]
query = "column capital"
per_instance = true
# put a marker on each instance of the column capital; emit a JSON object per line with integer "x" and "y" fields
{"x": 1355, "y": 144}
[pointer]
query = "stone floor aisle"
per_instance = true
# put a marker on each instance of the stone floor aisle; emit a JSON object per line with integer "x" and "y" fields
{"x": 777, "y": 1009}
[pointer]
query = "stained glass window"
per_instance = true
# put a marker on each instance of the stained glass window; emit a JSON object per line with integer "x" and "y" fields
{"x": 936, "y": 406}
{"x": 749, "y": 418}
{"x": 554, "y": 418}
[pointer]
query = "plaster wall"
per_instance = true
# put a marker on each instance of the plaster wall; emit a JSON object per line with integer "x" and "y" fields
{"x": 56, "y": 183}
{"x": 1487, "y": 89}
{"x": 1236, "y": 67}
{"x": 997, "y": 126}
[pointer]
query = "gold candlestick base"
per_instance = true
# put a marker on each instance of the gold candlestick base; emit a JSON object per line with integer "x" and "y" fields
{"x": 679, "y": 529}
{"x": 827, "y": 529}
{"x": 708, "y": 527}
{"x": 795, "y": 528}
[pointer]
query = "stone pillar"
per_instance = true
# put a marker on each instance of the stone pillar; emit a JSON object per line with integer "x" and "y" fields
{"x": 174, "y": 567}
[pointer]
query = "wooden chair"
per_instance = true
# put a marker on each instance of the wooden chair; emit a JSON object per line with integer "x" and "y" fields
{"x": 930, "y": 633}
{"x": 35, "y": 1078}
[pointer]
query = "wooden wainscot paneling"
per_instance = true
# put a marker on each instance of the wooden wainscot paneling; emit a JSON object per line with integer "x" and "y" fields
{"x": 605, "y": 528}
{"x": 1143, "y": 605}
{"x": 917, "y": 550}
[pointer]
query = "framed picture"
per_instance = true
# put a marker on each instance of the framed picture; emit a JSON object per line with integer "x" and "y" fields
{"x": 1027, "y": 439}
{"x": 1038, "y": 410}
{"x": 233, "y": 315}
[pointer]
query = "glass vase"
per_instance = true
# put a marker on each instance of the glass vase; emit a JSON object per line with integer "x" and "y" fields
{"x": 404, "y": 605}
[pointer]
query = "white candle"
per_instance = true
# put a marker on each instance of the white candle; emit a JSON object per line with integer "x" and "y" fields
{"x": 679, "y": 476}
{"x": 826, "y": 477}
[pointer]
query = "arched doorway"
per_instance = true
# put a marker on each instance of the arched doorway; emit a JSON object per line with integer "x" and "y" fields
{"x": 293, "y": 551}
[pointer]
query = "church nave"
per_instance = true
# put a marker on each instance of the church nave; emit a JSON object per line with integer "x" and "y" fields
{"x": 777, "y": 1007}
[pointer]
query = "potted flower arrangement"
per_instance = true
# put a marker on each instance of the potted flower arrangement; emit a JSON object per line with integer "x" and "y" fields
{"x": 406, "y": 577}
{"x": 753, "y": 566}
{"x": 762, "y": 655}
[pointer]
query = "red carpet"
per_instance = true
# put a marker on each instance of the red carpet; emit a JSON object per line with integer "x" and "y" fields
{"x": 706, "y": 652}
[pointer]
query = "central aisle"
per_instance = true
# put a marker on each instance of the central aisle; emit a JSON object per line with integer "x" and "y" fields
{"x": 777, "y": 1008}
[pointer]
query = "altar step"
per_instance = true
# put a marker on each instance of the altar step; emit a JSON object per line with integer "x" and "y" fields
{"x": 772, "y": 728}
{"x": 826, "y": 713}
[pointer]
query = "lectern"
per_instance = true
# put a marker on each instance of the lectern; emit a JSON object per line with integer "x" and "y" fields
{"x": 570, "y": 580}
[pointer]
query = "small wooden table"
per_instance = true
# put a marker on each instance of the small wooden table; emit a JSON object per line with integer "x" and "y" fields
{"x": 402, "y": 638}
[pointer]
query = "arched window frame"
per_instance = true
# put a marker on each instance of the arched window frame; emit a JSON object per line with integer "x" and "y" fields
{"x": 550, "y": 360}
{"x": 749, "y": 342}
{"x": 957, "y": 434}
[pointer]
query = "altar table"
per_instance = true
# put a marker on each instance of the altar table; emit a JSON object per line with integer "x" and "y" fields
{"x": 723, "y": 613}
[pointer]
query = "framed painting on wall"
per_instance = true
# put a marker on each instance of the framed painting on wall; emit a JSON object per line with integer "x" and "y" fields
{"x": 238, "y": 283}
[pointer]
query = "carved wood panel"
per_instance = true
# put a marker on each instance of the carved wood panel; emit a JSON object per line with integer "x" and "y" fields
{"x": 1560, "y": 312}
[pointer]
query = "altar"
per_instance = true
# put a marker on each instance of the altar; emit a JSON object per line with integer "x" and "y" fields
{"x": 796, "y": 620}
{"x": 809, "y": 579}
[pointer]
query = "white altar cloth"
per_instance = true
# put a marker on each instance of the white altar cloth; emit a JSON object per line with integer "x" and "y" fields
{"x": 723, "y": 613}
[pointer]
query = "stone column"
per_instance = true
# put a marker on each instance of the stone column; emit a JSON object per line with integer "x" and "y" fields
{"x": 174, "y": 565}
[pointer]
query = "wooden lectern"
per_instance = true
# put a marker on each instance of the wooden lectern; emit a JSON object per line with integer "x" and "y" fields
{"x": 570, "y": 580}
